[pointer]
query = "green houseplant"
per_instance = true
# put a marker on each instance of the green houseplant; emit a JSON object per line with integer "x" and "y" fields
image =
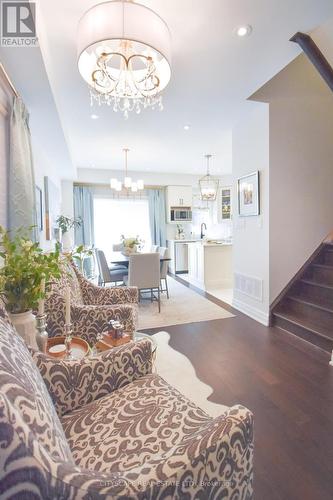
{"x": 65, "y": 224}
{"x": 24, "y": 267}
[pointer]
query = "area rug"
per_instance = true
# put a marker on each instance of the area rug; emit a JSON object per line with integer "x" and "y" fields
{"x": 179, "y": 372}
{"x": 183, "y": 306}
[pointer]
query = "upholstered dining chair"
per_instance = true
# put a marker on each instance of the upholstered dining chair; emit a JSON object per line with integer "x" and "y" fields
{"x": 92, "y": 307}
{"x": 164, "y": 253}
{"x": 117, "y": 247}
{"x": 106, "y": 427}
{"x": 154, "y": 248}
{"x": 107, "y": 275}
{"x": 144, "y": 273}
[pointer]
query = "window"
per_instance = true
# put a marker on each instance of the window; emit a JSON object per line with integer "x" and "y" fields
{"x": 114, "y": 217}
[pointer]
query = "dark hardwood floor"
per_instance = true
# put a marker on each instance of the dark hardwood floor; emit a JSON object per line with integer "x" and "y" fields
{"x": 286, "y": 382}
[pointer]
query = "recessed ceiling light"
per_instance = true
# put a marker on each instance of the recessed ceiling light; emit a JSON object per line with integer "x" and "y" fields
{"x": 186, "y": 127}
{"x": 94, "y": 117}
{"x": 245, "y": 30}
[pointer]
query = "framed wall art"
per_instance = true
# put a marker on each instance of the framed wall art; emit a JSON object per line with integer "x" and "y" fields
{"x": 249, "y": 195}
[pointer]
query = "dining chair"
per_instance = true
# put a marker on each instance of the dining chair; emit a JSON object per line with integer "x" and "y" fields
{"x": 154, "y": 248}
{"x": 164, "y": 254}
{"x": 107, "y": 275}
{"x": 144, "y": 273}
{"x": 117, "y": 247}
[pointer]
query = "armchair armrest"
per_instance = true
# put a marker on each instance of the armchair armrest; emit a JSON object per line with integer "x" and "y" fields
{"x": 75, "y": 383}
{"x": 87, "y": 321}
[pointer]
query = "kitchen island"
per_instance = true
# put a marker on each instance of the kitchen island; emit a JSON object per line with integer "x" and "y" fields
{"x": 210, "y": 264}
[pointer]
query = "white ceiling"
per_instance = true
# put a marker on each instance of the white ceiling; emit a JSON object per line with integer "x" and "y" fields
{"x": 213, "y": 72}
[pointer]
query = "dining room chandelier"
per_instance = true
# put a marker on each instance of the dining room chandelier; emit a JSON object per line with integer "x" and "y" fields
{"x": 124, "y": 55}
{"x": 208, "y": 184}
{"x": 127, "y": 183}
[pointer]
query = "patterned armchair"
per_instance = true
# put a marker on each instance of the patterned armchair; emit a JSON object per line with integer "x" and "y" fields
{"x": 91, "y": 306}
{"x": 105, "y": 427}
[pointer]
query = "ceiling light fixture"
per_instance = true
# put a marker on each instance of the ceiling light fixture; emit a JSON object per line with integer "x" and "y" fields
{"x": 243, "y": 31}
{"x": 124, "y": 55}
{"x": 127, "y": 183}
{"x": 186, "y": 127}
{"x": 208, "y": 184}
{"x": 94, "y": 117}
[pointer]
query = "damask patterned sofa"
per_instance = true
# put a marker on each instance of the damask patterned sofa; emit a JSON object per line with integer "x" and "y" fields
{"x": 107, "y": 428}
{"x": 91, "y": 306}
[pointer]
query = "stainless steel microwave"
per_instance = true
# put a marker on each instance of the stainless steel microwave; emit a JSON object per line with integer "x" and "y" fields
{"x": 180, "y": 214}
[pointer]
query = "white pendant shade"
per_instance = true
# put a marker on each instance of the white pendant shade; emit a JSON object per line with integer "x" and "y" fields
{"x": 124, "y": 54}
{"x": 140, "y": 184}
{"x": 113, "y": 183}
{"x": 134, "y": 187}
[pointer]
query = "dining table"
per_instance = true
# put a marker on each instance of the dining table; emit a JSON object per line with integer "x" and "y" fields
{"x": 120, "y": 258}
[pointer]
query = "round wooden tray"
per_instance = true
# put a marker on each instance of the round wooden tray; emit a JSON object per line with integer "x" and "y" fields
{"x": 80, "y": 348}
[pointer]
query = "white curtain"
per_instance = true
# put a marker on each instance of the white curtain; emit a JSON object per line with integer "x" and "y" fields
{"x": 22, "y": 203}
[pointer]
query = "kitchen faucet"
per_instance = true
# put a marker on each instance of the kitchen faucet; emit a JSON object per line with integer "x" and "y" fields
{"x": 202, "y": 234}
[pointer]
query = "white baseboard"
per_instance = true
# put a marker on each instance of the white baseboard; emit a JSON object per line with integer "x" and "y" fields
{"x": 253, "y": 312}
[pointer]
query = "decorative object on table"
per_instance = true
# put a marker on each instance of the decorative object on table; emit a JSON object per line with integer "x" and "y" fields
{"x": 124, "y": 55}
{"x": 115, "y": 334}
{"x": 249, "y": 195}
{"x": 208, "y": 184}
{"x": 39, "y": 208}
{"x": 131, "y": 245}
{"x": 23, "y": 275}
{"x": 52, "y": 208}
{"x": 180, "y": 232}
{"x": 65, "y": 224}
{"x": 128, "y": 184}
{"x": 56, "y": 348}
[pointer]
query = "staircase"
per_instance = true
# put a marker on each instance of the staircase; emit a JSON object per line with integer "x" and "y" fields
{"x": 306, "y": 307}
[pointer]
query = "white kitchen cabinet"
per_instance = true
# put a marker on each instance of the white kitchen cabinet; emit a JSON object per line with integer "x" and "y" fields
{"x": 196, "y": 263}
{"x": 179, "y": 196}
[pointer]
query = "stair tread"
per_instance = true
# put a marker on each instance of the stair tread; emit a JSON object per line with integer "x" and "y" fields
{"x": 316, "y": 283}
{"x": 304, "y": 323}
{"x": 322, "y": 266}
{"x": 319, "y": 304}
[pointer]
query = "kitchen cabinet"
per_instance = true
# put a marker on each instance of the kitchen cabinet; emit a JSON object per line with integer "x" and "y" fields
{"x": 179, "y": 196}
{"x": 224, "y": 201}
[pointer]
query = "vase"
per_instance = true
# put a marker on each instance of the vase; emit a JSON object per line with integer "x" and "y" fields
{"x": 25, "y": 325}
{"x": 66, "y": 241}
{"x": 129, "y": 250}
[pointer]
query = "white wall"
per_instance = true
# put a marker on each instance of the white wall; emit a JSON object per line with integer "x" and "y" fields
{"x": 301, "y": 168}
{"x": 250, "y": 151}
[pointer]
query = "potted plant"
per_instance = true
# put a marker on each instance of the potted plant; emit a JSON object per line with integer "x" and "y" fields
{"x": 131, "y": 245}
{"x": 23, "y": 274}
{"x": 65, "y": 224}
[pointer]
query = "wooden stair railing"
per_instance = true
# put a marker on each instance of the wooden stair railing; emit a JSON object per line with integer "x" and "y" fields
{"x": 315, "y": 55}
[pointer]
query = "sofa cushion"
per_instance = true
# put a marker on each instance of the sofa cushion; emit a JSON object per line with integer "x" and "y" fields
{"x": 131, "y": 426}
{"x": 24, "y": 394}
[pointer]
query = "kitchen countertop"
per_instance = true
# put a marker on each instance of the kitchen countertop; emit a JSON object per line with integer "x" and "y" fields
{"x": 203, "y": 242}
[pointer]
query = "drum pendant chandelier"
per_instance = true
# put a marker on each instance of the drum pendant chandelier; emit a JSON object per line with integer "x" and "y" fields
{"x": 124, "y": 55}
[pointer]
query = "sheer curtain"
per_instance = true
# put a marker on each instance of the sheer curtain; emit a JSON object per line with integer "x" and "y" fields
{"x": 157, "y": 214}
{"x": 84, "y": 208}
{"x": 22, "y": 202}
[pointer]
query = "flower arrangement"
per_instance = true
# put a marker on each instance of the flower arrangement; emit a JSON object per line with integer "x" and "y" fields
{"x": 131, "y": 245}
{"x": 25, "y": 267}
